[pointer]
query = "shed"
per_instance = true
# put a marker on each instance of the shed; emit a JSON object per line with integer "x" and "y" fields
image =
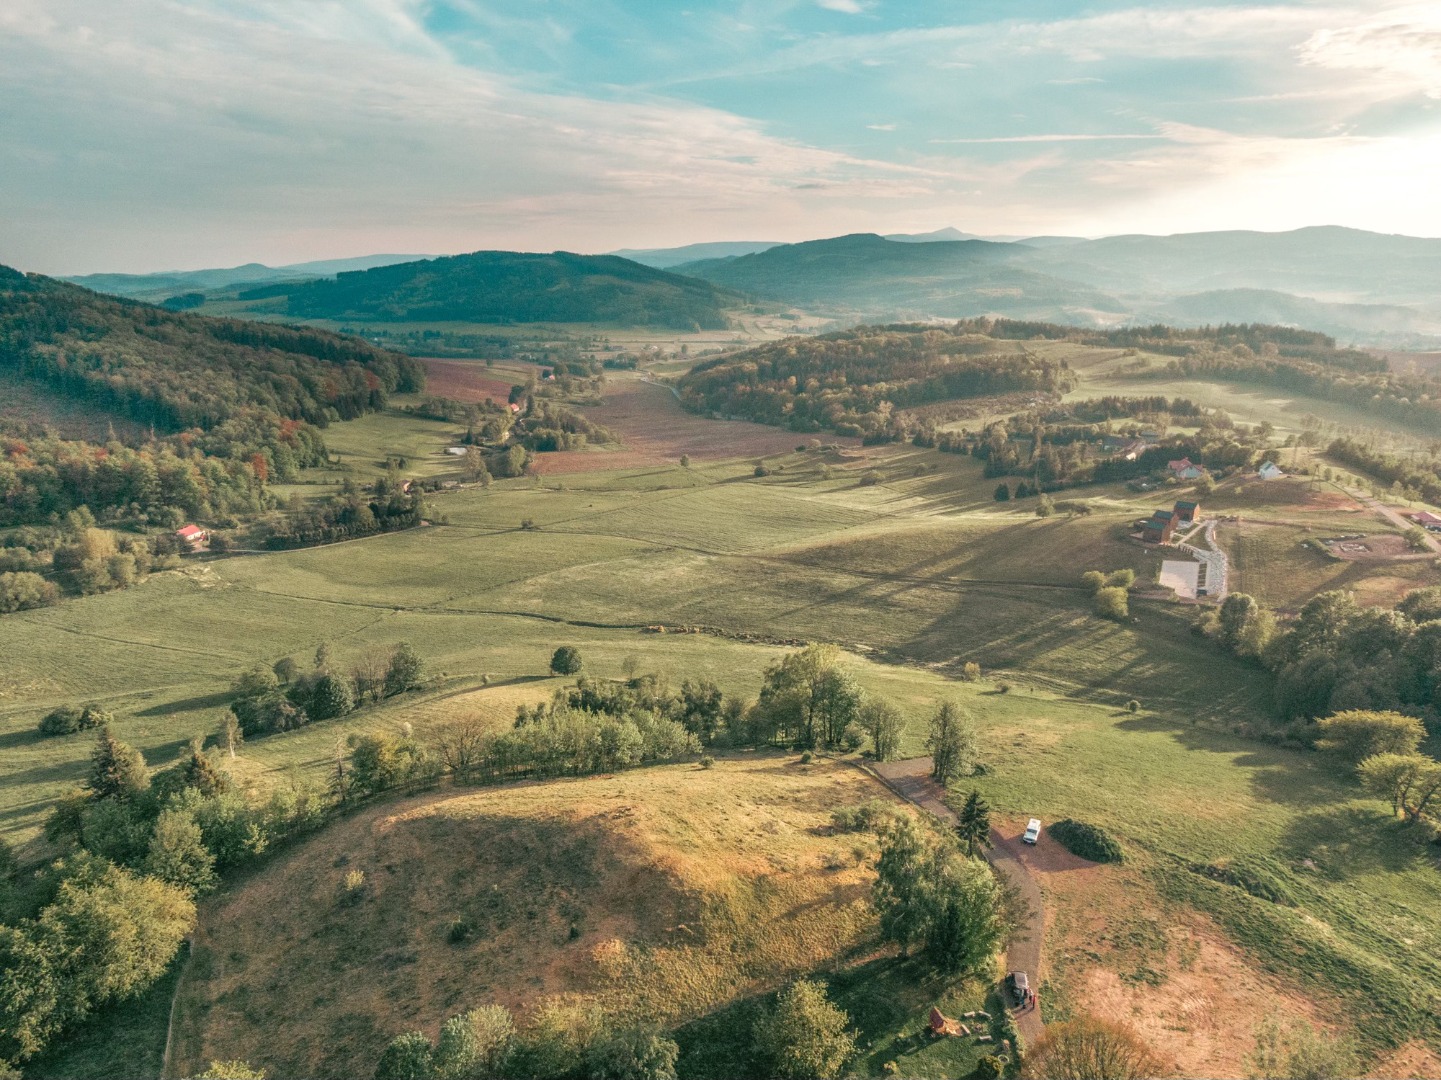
{"x": 941, "y": 1024}
{"x": 1271, "y": 471}
{"x": 1187, "y": 511}
{"x": 1159, "y": 528}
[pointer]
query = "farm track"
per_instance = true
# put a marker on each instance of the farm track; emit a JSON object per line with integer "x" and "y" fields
{"x": 911, "y": 780}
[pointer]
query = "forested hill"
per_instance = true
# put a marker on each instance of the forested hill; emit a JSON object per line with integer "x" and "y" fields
{"x": 512, "y": 287}
{"x": 1357, "y": 286}
{"x": 226, "y": 406}
{"x": 850, "y": 381}
{"x": 177, "y": 371}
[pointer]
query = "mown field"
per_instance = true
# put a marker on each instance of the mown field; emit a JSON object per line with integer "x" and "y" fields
{"x": 914, "y": 575}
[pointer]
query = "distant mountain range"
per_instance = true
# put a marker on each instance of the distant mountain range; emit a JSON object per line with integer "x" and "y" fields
{"x": 1358, "y": 286}
{"x": 507, "y": 286}
{"x": 1361, "y": 287}
{"x": 160, "y": 286}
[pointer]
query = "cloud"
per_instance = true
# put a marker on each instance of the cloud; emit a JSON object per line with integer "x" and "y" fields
{"x": 881, "y": 127}
{"x": 846, "y": 7}
{"x": 164, "y": 127}
{"x": 1402, "y": 47}
{"x": 1047, "y": 139}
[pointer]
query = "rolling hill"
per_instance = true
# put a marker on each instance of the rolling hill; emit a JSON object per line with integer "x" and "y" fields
{"x": 884, "y": 279}
{"x": 159, "y": 286}
{"x": 510, "y": 287}
{"x": 1361, "y": 287}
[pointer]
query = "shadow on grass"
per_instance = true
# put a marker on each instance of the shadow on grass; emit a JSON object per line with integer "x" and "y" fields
{"x": 203, "y": 701}
{"x": 888, "y": 1001}
{"x": 1345, "y": 841}
{"x": 125, "y": 1039}
{"x": 24, "y": 737}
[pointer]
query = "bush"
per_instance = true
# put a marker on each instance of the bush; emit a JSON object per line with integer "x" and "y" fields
{"x": 1093, "y": 581}
{"x": 707, "y": 762}
{"x": 1133, "y": 706}
{"x": 1088, "y": 841}
{"x": 861, "y": 817}
{"x": 807, "y": 758}
{"x": 68, "y": 719}
{"x": 1088, "y": 1047}
{"x": 761, "y": 470}
{"x": 870, "y": 478}
{"x": 408, "y": 1057}
{"x": 23, "y": 590}
{"x": 566, "y": 660}
{"x": 971, "y": 672}
{"x": 1112, "y": 603}
{"x": 990, "y": 1067}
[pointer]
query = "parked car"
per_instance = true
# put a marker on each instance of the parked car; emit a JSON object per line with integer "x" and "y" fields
{"x": 1019, "y": 986}
{"x": 1033, "y": 831}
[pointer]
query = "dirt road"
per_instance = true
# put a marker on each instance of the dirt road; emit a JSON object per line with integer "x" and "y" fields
{"x": 911, "y": 780}
{"x": 1393, "y": 516}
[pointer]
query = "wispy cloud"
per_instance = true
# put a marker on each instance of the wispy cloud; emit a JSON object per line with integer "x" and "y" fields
{"x": 181, "y": 132}
{"x": 1046, "y": 139}
{"x": 1401, "y": 47}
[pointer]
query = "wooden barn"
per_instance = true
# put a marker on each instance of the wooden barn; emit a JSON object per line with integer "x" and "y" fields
{"x": 1160, "y": 527}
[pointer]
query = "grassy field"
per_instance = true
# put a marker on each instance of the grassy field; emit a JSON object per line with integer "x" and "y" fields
{"x": 657, "y": 895}
{"x": 915, "y": 576}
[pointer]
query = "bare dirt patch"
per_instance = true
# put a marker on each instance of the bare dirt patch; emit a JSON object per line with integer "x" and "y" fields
{"x": 650, "y": 420}
{"x": 1415, "y": 1059}
{"x": 465, "y": 380}
{"x": 1384, "y": 548}
{"x": 1172, "y": 975}
{"x": 654, "y": 430}
{"x": 1205, "y": 1011}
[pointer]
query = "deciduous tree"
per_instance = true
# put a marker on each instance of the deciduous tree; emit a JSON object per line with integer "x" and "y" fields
{"x": 952, "y": 743}
{"x": 883, "y": 723}
{"x": 1357, "y": 734}
{"x": 806, "y": 1037}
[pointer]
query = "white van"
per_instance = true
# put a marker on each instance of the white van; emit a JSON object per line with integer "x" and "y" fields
{"x": 1033, "y": 831}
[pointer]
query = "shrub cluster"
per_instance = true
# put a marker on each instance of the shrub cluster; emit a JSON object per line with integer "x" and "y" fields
{"x": 1088, "y": 841}
{"x": 264, "y": 704}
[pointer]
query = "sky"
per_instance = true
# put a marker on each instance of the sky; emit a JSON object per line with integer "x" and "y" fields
{"x": 141, "y": 135}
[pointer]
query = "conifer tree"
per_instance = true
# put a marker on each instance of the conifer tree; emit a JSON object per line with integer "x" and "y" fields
{"x": 117, "y": 771}
{"x": 974, "y": 825}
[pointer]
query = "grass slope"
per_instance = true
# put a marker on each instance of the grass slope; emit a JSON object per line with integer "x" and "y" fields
{"x": 656, "y": 894}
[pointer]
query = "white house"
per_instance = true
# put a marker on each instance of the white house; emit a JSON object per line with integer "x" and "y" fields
{"x": 1270, "y": 471}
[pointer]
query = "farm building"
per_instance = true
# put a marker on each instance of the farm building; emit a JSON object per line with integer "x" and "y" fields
{"x": 1123, "y": 447}
{"x": 1184, "y": 469}
{"x": 1187, "y": 512}
{"x": 1159, "y": 527}
{"x": 192, "y": 536}
{"x": 1427, "y": 520}
{"x": 1271, "y": 471}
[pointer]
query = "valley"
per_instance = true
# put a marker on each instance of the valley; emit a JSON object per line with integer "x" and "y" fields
{"x": 898, "y": 554}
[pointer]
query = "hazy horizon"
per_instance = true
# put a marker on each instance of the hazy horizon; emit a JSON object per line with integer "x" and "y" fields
{"x": 161, "y": 134}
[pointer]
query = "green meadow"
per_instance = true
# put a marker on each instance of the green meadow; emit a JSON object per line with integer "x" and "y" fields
{"x": 915, "y": 576}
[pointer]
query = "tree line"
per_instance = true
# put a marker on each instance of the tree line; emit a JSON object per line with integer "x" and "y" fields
{"x": 850, "y": 382}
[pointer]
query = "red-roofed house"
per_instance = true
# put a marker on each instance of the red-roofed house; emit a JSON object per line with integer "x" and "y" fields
{"x": 192, "y": 536}
{"x": 1184, "y": 469}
